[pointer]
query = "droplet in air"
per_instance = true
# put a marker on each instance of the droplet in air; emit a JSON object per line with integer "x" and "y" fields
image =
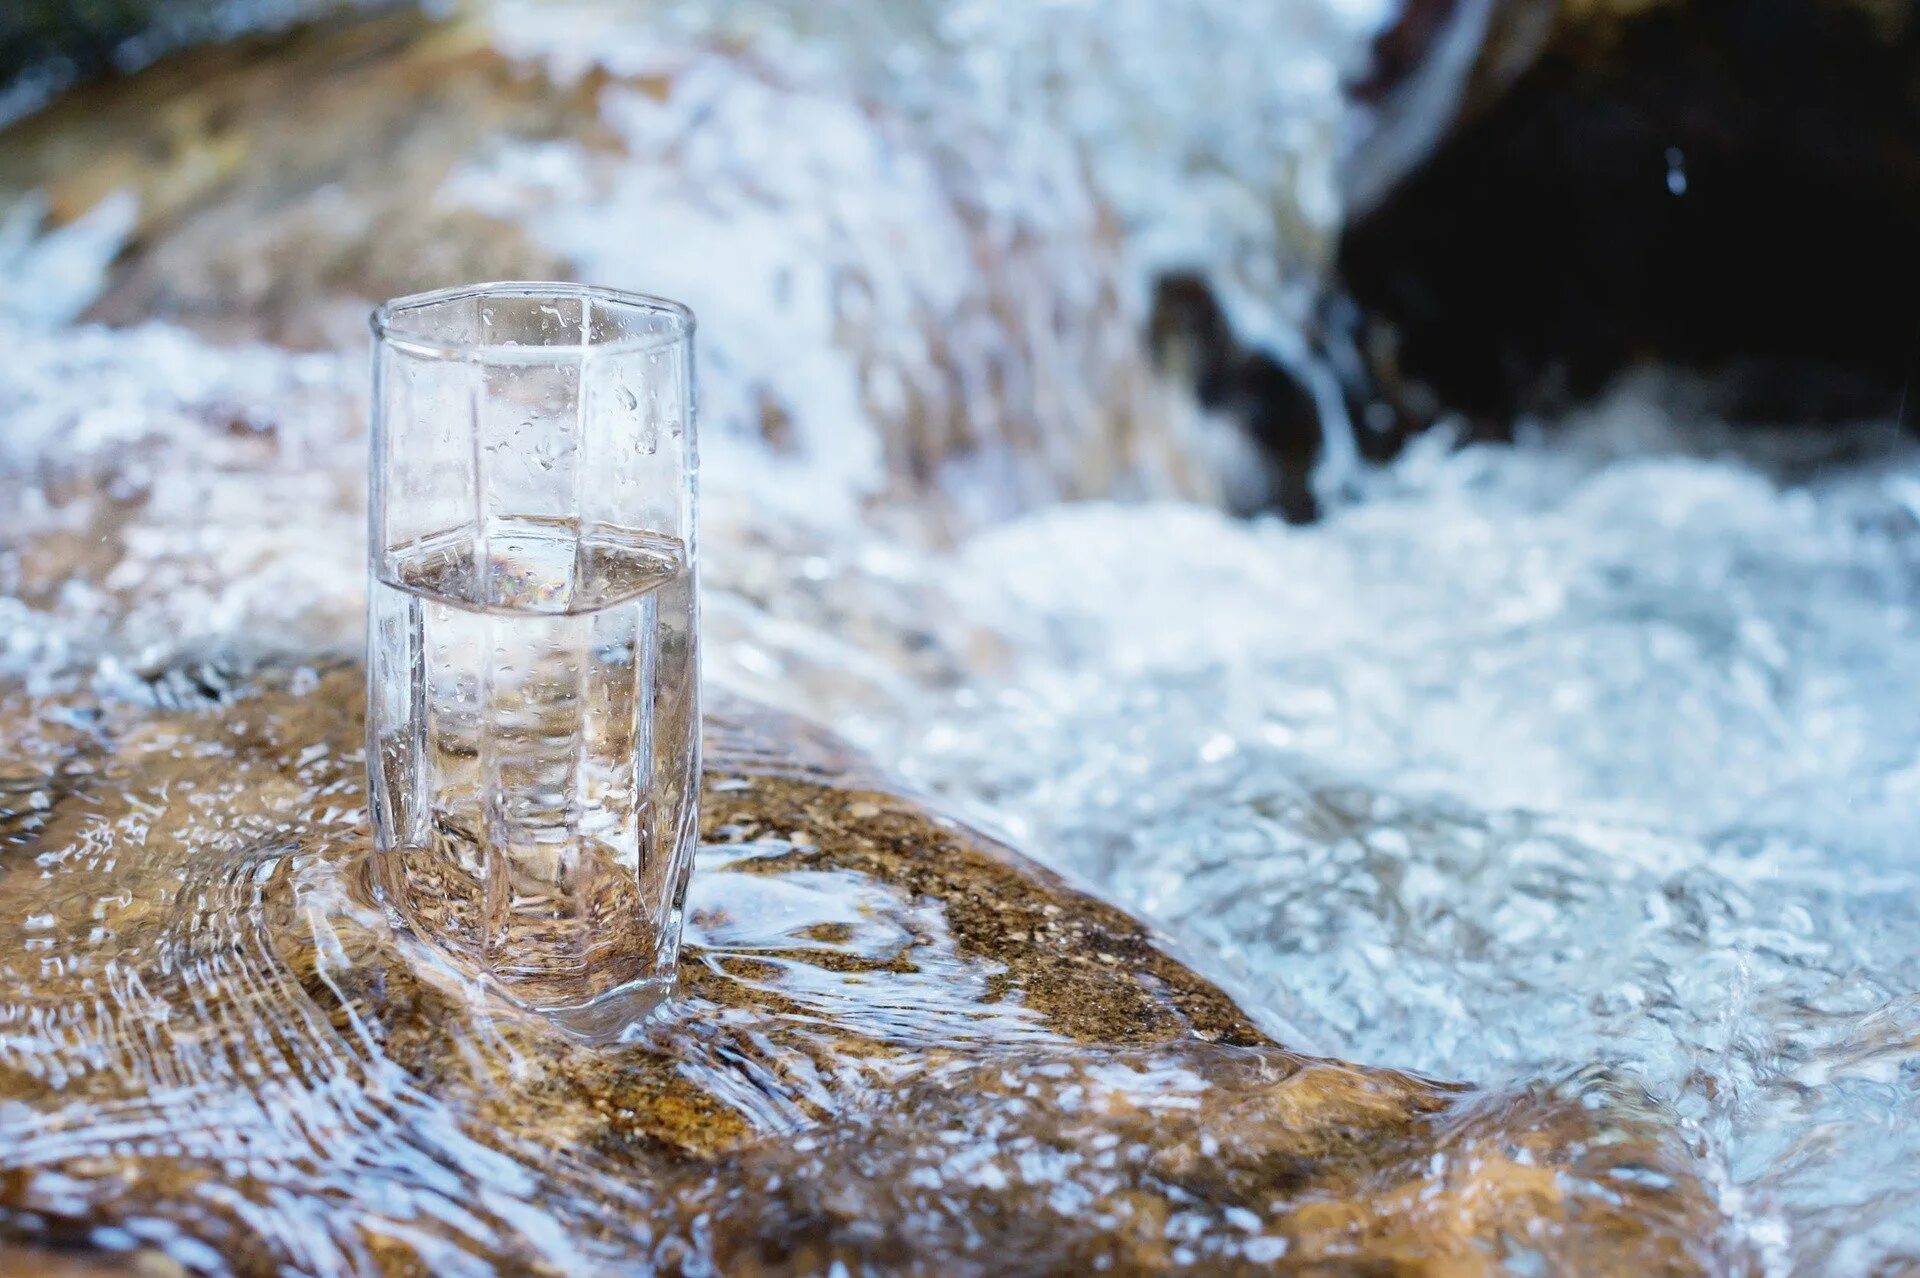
{"x": 1676, "y": 171}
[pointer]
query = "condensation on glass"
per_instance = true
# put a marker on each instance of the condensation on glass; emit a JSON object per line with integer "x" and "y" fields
{"x": 533, "y": 685}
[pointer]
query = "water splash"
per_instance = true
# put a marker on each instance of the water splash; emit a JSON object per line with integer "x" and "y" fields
{"x": 923, "y": 235}
{"x": 1544, "y": 755}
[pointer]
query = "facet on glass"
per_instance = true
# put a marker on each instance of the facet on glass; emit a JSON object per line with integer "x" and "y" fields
{"x": 532, "y": 633}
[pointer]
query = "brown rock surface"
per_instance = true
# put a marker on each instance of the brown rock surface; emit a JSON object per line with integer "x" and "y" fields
{"x": 283, "y": 180}
{"x": 898, "y": 1045}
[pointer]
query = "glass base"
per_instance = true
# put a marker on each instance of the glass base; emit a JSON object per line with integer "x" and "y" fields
{"x": 609, "y": 1018}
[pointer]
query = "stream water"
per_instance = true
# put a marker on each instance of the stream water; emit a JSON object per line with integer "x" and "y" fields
{"x": 1595, "y": 750}
{"x": 1584, "y": 751}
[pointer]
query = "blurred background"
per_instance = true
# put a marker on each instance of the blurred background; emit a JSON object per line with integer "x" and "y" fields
{"x": 1410, "y": 495}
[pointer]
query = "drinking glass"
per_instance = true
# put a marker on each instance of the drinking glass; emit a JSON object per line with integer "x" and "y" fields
{"x": 533, "y": 712}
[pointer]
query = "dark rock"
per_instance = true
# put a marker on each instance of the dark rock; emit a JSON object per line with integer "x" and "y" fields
{"x": 45, "y": 44}
{"x": 59, "y": 38}
{"x": 1726, "y": 186}
{"x": 1191, "y": 337}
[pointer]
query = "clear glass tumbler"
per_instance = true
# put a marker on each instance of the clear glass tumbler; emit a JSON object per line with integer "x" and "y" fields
{"x": 533, "y": 717}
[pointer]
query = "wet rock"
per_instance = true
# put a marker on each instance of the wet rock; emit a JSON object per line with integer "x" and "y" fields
{"x": 899, "y": 1045}
{"x": 1192, "y": 339}
{"x": 280, "y": 181}
{"x": 1553, "y": 193}
{"x": 48, "y": 45}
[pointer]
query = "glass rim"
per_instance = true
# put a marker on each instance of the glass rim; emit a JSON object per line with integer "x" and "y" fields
{"x": 382, "y": 320}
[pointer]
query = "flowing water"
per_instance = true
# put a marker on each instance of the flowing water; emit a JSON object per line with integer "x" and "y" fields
{"x": 1593, "y": 753}
{"x": 1585, "y": 751}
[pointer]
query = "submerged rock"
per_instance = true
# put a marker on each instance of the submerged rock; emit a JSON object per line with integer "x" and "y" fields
{"x": 1552, "y": 193}
{"x": 898, "y": 1045}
